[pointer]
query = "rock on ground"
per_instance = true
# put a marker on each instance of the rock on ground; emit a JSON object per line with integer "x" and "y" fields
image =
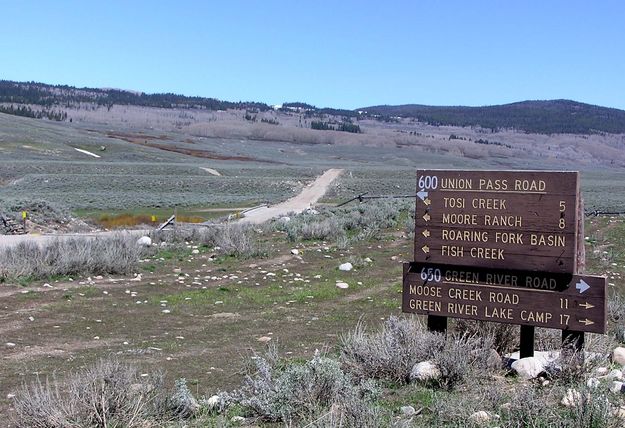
{"x": 616, "y": 387}
{"x": 408, "y": 411}
{"x": 424, "y": 371}
{"x": 618, "y": 355}
{"x": 346, "y": 267}
{"x": 529, "y": 367}
{"x": 480, "y": 417}
{"x": 615, "y": 374}
{"x": 572, "y": 398}
{"x": 144, "y": 241}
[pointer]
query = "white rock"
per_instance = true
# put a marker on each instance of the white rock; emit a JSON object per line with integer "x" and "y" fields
{"x": 572, "y": 398}
{"x": 545, "y": 357}
{"x": 342, "y": 285}
{"x": 592, "y": 383}
{"x": 616, "y": 386}
{"x": 213, "y": 403}
{"x": 528, "y": 368}
{"x": 368, "y": 260}
{"x": 601, "y": 371}
{"x": 264, "y": 339}
{"x": 10, "y": 345}
{"x": 46, "y": 285}
{"x": 618, "y": 355}
{"x": 285, "y": 219}
{"x": 136, "y": 278}
{"x": 346, "y": 267}
{"x": 166, "y": 311}
{"x": 144, "y": 241}
{"x": 480, "y": 417}
{"x": 619, "y": 413}
{"x": 196, "y": 251}
{"x": 295, "y": 251}
{"x": 237, "y": 419}
{"x": 408, "y": 411}
{"x": 424, "y": 371}
{"x": 615, "y": 374}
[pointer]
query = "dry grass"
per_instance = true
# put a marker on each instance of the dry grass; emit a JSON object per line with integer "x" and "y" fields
{"x": 94, "y": 256}
{"x": 107, "y": 394}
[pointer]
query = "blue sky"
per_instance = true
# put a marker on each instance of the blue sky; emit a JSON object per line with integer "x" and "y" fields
{"x": 345, "y": 54}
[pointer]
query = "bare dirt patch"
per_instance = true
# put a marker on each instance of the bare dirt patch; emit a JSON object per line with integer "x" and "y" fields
{"x": 201, "y": 321}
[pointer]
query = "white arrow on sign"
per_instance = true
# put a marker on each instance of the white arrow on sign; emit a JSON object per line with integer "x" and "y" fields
{"x": 582, "y": 286}
{"x": 422, "y": 194}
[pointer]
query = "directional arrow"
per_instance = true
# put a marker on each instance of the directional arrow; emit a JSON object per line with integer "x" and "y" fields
{"x": 422, "y": 194}
{"x": 426, "y": 217}
{"x": 586, "y": 322}
{"x": 582, "y": 286}
{"x": 586, "y": 305}
{"x": 426, "y": 233}
{"x": 427, "y": 201}
{"x": 425, "y": 249}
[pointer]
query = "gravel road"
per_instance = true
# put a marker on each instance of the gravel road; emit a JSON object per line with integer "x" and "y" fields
{"x": 307, "y": 197}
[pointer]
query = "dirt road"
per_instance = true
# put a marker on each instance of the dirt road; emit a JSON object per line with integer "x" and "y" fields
{"x": 307, "y": 197}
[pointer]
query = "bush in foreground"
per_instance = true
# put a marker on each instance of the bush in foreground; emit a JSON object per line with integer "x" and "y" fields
{"x": 107, "y": 394}
{"x": 391, "y": 352}
{"x": 318, "y": 393}
{"x": 117, "y": 254}
{"x": 230, "y": 239}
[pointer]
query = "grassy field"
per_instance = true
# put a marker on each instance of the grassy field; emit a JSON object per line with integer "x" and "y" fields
{"x": 39, "y": 163}
{"x": 199, "y": 315}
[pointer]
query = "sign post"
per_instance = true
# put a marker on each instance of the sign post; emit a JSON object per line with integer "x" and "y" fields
{"x": 534, "y": 299}
{"x": 502, "y": 246}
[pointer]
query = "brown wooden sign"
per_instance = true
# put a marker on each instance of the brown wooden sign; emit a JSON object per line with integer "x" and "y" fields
{"x": 560, "y": 301}
{"x": 523, "y": 220}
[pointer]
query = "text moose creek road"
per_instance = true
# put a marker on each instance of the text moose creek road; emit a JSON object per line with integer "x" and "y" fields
{"x": 560, "y": 301}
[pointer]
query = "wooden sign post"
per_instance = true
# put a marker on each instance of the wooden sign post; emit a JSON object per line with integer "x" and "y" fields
{"x": 515, "y": 220}
{"x": 502, "y": 246}
{"x": 565, "y": 302}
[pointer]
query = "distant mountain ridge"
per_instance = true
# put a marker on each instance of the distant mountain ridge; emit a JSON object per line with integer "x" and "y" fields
{"x": 57, "y": 95}
{"x": 544, "y": 117}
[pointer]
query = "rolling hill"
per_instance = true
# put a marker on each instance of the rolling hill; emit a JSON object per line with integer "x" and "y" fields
{"x": 40, "y": 100}
{"x": 544, "y": 117}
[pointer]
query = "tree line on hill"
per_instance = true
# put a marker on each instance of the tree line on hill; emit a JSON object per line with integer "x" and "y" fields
{"x": 545, "y": 117}
{"x": 49, "y": 95}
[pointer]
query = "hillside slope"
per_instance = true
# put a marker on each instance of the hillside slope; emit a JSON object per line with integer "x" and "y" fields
{"x": 40, "y": 100}
{"x": 544, "y": 117}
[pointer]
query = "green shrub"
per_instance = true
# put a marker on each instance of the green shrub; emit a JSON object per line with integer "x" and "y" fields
{"x": 316, "y": 392}
{"x": 108, "y": 394}
{"x": 116, "y": 254}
